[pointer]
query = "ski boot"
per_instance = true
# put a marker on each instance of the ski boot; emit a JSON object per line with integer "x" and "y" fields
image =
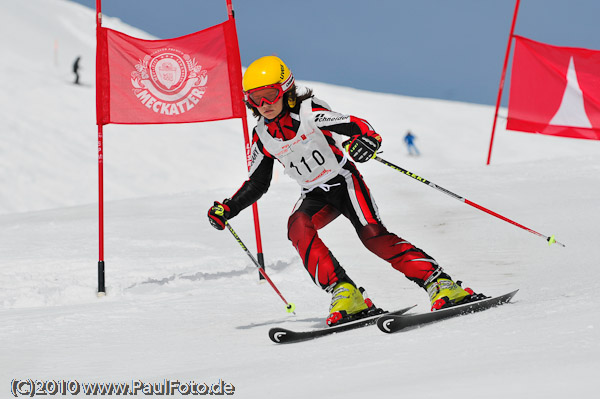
{"x": 444, "y": 293}
{"x": 347, "y": 304}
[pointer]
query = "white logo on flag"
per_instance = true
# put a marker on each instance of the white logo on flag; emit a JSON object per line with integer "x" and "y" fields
{"x": 572, "y": 109}
{"x": 169, "y": 82}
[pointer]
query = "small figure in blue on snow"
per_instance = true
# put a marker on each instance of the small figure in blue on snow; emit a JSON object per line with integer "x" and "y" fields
{"x": 409, "y": 139}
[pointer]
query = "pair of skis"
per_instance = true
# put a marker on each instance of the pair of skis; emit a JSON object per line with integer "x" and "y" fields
{"x": 391, "y": 322}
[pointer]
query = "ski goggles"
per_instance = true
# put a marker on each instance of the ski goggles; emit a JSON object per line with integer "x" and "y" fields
{"x": 266, "y": 94}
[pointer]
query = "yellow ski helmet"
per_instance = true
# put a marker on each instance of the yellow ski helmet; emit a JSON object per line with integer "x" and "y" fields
{"x": 266, "y": 71}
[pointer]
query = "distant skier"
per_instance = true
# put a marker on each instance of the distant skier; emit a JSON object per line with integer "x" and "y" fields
{"x": 298, "y": 131}
{"x": 76, "y": 69}
{"x": 409, "y": 139}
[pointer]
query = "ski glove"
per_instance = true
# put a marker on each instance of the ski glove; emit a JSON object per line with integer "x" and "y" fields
{"x": 362, "y": 148}
{"x": 218, "y": 215}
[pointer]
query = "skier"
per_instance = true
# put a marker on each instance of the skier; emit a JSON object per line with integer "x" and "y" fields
{"x": 409, "y": 139}
{"x": 76, "y": 69}
{"x": 297, "y": 130}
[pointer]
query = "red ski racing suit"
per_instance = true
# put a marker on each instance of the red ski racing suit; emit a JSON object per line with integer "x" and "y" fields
{"x": 302, "y": 140}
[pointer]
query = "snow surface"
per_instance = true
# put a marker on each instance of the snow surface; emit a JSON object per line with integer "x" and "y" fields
{"x": 184, "y": 302}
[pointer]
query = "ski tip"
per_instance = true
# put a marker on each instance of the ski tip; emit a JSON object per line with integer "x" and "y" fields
{"x": 384, "y": 324}
{"x": 278, "y": 335}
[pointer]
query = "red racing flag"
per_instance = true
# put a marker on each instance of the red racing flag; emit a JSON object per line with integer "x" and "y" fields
{"x": 193, "y": 78}
{"x": 555, "y": 90}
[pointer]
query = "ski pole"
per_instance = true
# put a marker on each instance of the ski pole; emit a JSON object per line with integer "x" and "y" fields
{"x": 551, "y": 240}
{"x": 290, "y": 307}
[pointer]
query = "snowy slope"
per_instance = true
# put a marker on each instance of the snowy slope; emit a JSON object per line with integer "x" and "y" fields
{"x": 183, "y": 300}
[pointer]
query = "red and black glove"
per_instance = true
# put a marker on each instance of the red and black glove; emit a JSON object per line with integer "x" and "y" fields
{"x": 364, "y": 147}
{"x": 218, "y": 215}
